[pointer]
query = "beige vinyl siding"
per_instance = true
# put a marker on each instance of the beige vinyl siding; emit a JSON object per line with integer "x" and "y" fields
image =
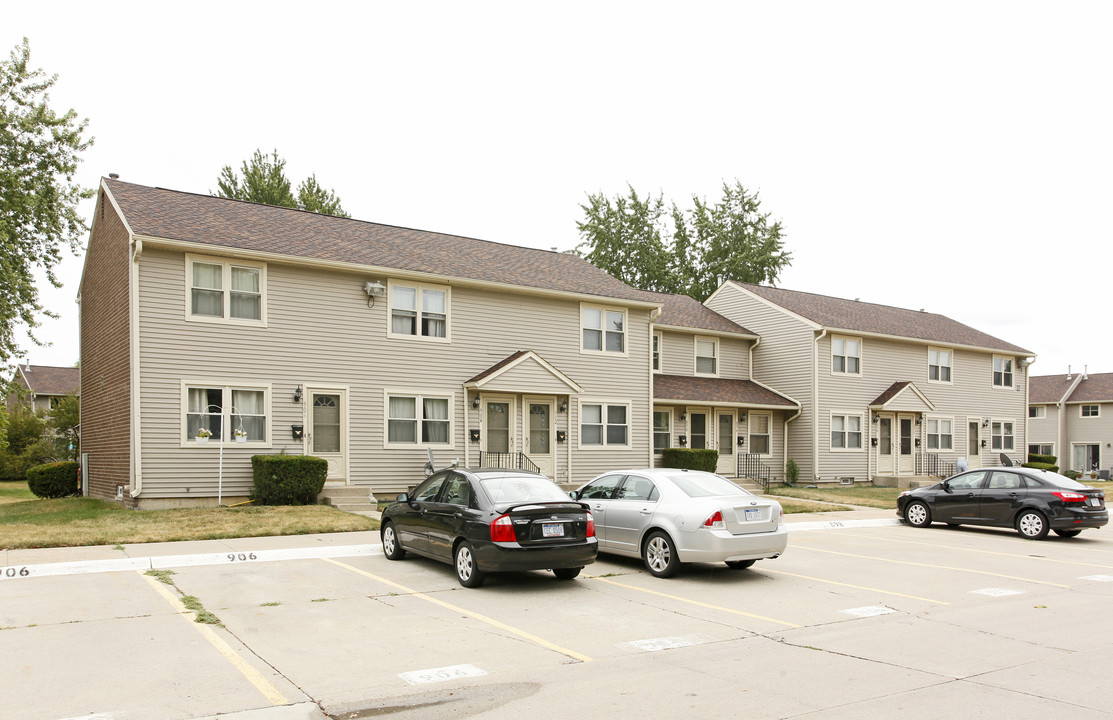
{"x": 1045, "y": 430}
{"x": 782, "y": 361}
{"x": 321, "y": 333}
{"x": 678, "y": 356}
{"x": 1086, "y": 431}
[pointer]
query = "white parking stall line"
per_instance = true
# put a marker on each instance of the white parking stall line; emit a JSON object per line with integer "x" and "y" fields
{"x": 663, "y": 643}
{"x": 869, "y": 611}
{"x": 443, "y": 674}
{"x": 997, "y": 592}
{"x": 1098, "y": 578}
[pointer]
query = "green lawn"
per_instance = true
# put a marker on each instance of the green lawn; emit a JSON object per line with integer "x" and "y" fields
{"x": 877, "y": 497}
{"x": 11, "y": 492}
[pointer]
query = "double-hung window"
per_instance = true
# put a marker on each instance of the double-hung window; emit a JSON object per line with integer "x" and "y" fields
{"x": 604, "y": 424}
{"x": 656, "y": 352}
{"x": 1003, "y": 438}
{"x": 846, "y": 432}
{"x": 662, "y": 430}
{"x": 1002, "y": 371}
{"x": 707, "y": 356}
{"x": 940, "y": 434}
{"x": 1091, "y": 411}
{"x": 226, "y": 290}
{"x": 417, "y": 419}
{"x": 939, "y": 365}
{"x": 603, "y": 329}
{"x": 1041, "y": 449}
{"x": 758, "y": 425}
{"x": 1037, "y": 412}
{"x": 846, "y": 355}
{"x": 225, "y": 413}
{"x": 419, "y": 311}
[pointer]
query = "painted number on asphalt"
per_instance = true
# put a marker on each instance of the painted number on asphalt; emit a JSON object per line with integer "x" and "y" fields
{"x": 14, "y": 572}
{"x": 454, "y": 672}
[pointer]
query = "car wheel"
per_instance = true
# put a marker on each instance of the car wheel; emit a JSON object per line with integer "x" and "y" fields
{"x": 740, "y": 564}
{"x": 1032, "y": 524}
{"x": 566, "y": 573}
{"x": 469, "y": 575}
{"x": 1068, "y": 533}
{"x": 918, "y": 514}
{"x": 660, "y": 555}
{"x": 392, "y": 547}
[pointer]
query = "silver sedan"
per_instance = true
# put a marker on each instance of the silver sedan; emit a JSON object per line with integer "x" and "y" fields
{"x": 668, "y": 517}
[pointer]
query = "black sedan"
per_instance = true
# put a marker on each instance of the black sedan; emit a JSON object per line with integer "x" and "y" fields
{"x": 1032, "y": 501}
{"x": 491, "y": 520}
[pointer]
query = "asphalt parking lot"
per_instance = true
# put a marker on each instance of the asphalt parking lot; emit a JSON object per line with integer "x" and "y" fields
{"x": 860, "y": 617}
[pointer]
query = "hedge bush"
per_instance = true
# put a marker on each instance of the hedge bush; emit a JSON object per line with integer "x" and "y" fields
{"x": 1049, "y": 459}
{"x": 705, "y": 460}
{"x": 53, "y": 480}
{"x": 288, "y": 479}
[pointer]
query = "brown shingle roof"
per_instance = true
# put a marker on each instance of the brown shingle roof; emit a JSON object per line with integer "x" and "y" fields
{"x": 1097, "y": 387}
{"x": 716, "y": 390}
{"x": 683, "y": 311}
{"x": 49, "y": 380}
{"x": 1048, "y": 388}
{"x": 224, "y": 223}
{"x": 840, "y": 314}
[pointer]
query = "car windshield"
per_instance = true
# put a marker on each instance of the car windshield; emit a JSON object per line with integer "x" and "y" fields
{"x": 513, "y": 488}
{"x": 704, "y": 485}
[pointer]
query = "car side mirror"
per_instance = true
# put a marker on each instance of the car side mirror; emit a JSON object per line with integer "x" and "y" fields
{"x": 946, "y": 486}
{"x": 402, "y": 498}
{"x": 572, "y": 494}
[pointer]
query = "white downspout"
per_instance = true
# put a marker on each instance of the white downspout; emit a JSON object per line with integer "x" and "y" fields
{"x": 815, "y": 404}
{"x": 467, "y": 429}
{"x": 136, "y": 424}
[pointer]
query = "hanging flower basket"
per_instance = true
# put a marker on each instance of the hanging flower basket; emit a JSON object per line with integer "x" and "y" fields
{"x": 203, "y": 435}
{"x": 240, "y": 436}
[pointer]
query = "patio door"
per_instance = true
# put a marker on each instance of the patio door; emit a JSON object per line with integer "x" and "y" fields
{"x": 905, "y": 444}
{"x": 327, "y": 429}
{"x": 541, "y": 433}
{"x": 724, "y": 429}
{"x": 885, "y": 464}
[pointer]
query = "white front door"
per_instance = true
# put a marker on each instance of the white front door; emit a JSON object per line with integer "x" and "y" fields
{"x": 541, "y": 433}
{"x": 327, "y": 429}
{"x": 905, "y": 444}
{"x": 724, "y": 432}
{"x": 885, "y": 464}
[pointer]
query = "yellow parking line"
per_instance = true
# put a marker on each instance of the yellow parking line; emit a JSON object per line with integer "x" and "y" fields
{"x": 856, "y": 587}
{"x": 253, "y": 676}
{"x": 696, "y": 602}
{"x": 975, "y": 550}
{"x": 474, "y": 615}
{"x": 796, "y": 546}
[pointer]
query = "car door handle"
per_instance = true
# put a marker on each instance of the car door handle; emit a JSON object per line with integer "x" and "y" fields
{"x": 646, "y": 511}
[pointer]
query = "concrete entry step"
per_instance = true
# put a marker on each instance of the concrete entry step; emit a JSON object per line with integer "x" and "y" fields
{"x": 349, "y": 498}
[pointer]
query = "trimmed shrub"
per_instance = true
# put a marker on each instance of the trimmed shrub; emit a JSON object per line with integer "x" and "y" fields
{"x": 1041, "y": 465}
{"x": 53, "y": 480}
{"x": 792, "y": 472}
{"x": 287, "y": 479}
{"x": 705, "y": 460}
{"x": 1048, "y": 459}
{"x": 1072, "y": 474}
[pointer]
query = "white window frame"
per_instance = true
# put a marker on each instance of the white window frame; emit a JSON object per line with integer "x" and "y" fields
{"x": 714, "y": 343}
{"x": 603, "y": 310}
{"x": 226, "y": 265}
{"x": 939, "y": 434}
{"x": 844, "y": 339}
{"x": 419, "y": 419}
{"x": 996, "y": 446}
{"x": 1040, "y": 413}
{"x": 419, "y": 293}
{"x": 846, "y": 432}
{"x": 227, "y": 424}
{"x": 667, "y": 412}
{"x": 658, "y": 346}
{"x": 604, "y": 405}
{"x": 1004, "y": 359}
{"x": 1095, "y": 414}
{"x": 750, "y": 434}
{"x": 950, "y": 366}
{"x": 1041, "y": 446}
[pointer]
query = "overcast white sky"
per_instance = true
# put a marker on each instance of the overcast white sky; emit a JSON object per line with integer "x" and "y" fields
{"x": 952, "y": 156}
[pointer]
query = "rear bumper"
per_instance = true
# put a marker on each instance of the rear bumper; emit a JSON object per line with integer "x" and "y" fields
{"x": 720, "y": 546}
{"x": 508, "y": 557}
{"x": 1069, "y": 518}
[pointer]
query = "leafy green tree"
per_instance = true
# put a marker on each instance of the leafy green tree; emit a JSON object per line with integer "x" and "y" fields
{"x": 64, "y": 421}
{"x": 27, "y": 444}
{"x": 692, "y": 251}
{"x": 264, "y": 181}
{"x": 39, "y": 154}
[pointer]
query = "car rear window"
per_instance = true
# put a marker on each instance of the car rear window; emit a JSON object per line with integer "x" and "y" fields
{"x": 1062, "y": 481}
{"x": 512, "y": 488}
{"x": 704, "y": 485}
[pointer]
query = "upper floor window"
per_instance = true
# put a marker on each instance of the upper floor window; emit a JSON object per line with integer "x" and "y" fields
{"x": 657, "y": 342}
{"x": 226, "y": 290}
{"x": 604, "y": 330}
{"x": 419, "y": 311}
{"x": 1002, "y": 371}
{"x": 603, "y": 424}
{"x": 707, "y": 357}
{"x": 939, "y": 365}
{"x": 758, "y": 425}
{"x": 846, "y": 355}
{"x": 846, "y": 432}
{"x": 1091, "y": 411}
{"x": 1037, "y": 411}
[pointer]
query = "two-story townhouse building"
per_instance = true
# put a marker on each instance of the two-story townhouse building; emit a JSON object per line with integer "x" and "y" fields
{"x": 887, "y": 394}
{"x": 41, "y": 387}
{"x": 278, "y": 330}
{"x": 1071, "y": 416}
{"x": 705, "y": 396}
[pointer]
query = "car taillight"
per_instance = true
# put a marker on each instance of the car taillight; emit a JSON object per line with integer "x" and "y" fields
{"x": 1069, "y": 496}
{"x": 781, "y": 516}
{"x": 590, "y": 525}
{"x": 502, "y": 529}
{"x": 715, "y": 521}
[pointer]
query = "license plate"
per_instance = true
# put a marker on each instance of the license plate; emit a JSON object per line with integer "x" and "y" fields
{"x": 552, "y": 530}
{"x": 1095, "y": 502}
{"x": 753, "y": 514}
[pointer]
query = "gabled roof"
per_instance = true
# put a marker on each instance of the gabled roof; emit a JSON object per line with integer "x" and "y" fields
{"x": 1049, "y": 388}
{"x": 50, "y": 380}
{"x": 856, "y": 316}
{"x": 902, "y": 395}
{"x": 267, "y": 230}
{"x": 1089, "y": 388}
{"x": 1094, "y": 388}
{"x": 717, "y": 391}
{"x": 681, "y": 311}
{"x": 522, "y": 357}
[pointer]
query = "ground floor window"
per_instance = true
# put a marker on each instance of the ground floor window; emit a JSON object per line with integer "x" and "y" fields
{"x": 1086, "y": 458}
{"x": 846, "y": 432}
{"x": 225, "y": 413}
{"x": 1036, "y": 449}
{"x": 940, "y": 434}
{"x": 603, "y": 424}
{"x": 759, "y": 425}
{"x": 414, "y": 418}
{"x": 1003, "y": 438}
{"x": 662, "y": 430}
